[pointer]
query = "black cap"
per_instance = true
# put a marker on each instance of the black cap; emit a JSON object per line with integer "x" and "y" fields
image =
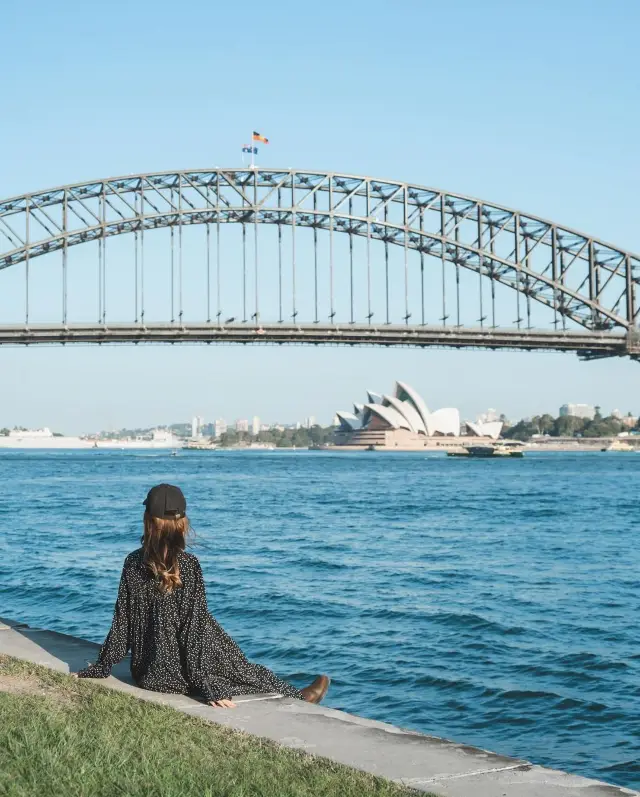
{"x": 166, "y": 501}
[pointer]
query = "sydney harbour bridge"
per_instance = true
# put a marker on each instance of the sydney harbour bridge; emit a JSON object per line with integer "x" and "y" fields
{"x": 285, "y": 256}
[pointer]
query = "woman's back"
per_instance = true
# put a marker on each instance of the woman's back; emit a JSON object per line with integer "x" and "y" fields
{"x": 161, "y": 616}
{"x": 150, "y": 621}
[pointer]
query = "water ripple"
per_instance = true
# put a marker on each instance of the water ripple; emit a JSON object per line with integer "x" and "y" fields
{"x": 497, "y": 608}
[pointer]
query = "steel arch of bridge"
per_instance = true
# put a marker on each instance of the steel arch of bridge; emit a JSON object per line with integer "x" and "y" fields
{"x": 580, "y": 279}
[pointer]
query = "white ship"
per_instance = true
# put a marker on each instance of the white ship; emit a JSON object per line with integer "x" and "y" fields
{"x": 44, "y": 438}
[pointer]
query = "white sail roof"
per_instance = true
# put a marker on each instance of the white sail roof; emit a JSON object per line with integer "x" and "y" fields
{"x": 486, "y": 429}
{"x": 405, "y": 392}
{"x": 445, "y": 421}
{"x": 348, "y": 421}
{"x": 408, "y": 411}
{"x": 389, "y": 415}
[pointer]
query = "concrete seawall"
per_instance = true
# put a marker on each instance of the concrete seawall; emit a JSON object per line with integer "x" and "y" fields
{"x": 425, "y": 763}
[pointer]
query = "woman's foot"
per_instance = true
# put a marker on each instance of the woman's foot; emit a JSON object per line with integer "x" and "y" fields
{"x": 317, "y": 689}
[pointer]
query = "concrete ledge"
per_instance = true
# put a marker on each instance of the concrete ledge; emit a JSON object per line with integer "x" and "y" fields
{"x": 425, "y": 763}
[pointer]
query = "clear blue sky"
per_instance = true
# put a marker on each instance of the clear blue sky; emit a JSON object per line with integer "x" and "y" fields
{"x": 530, "y": 104}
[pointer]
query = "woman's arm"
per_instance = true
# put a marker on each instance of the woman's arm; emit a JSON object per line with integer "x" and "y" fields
{"x": 116, "y": 644}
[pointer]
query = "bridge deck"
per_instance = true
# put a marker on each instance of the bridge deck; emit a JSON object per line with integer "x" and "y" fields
{"x": 592, "y": 343}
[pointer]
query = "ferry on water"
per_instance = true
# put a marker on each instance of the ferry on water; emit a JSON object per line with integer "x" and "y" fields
{"x": 501, "y": 448}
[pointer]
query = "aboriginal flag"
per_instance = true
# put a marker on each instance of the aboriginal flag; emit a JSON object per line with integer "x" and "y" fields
{"x": 258, "y": 137}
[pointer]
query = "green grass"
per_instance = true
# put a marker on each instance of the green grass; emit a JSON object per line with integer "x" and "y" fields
{"x": 62, "y": 736}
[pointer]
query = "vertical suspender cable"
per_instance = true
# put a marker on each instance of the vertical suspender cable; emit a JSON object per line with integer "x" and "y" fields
{"x": 386, "y": 258}
{"x": 315, "y": 255}
{"x": 407, "y": 314}
{"x": 142, "y": 253}
{"x": 480, "y": 261}
{"x": 135, "y": 256}
{"x": 100, "y": 246}
{"x": 255, "y": 243}
{"x": 218, "y": 298}
{"x": 280, "y": 319}
{"x": 443, "y": 236}
{"x": 516, "y": 247}
{"x": 332, "y": 312}
{"x": 554, "y": 273}
{"x": 180, "y": 248}
{"x": 526, "y": 281}
{"x": 64, "y": 258}
{"x": 562, "y": 297}
{"x": 26, "y": 263}
{"x": 100, "y": 243}
{"x": 104, "y": 255}
{"x": 208, "y": 257}
{"x": 172, "y": 274}
{"x": 457, "y": 237}
{"x": 369, "y": 313}
{"x": 422, "y": 262}
{"x": 172, "y": 257}
{"x": 136, "y": 204}
{"x": 244, "y": 272}
{"x": 351, "y": 254}
{"x": 293, "y": 247}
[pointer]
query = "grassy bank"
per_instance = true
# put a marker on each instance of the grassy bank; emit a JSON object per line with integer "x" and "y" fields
{"x": 62, "y": 736}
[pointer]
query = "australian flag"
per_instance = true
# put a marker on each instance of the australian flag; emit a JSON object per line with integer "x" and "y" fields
{"x": 250, "y": 150}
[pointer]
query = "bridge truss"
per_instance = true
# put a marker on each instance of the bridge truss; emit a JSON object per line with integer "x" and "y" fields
{"x": 351, "y": 260}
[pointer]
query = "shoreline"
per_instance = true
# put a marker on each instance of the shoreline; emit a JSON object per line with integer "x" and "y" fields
{"x": 551, "y": 448}
{"x": 410, "y": 758}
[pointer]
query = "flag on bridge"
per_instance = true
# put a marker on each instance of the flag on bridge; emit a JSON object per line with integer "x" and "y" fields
{"x": 259, "y": 137}
{"x": 250, "y": 150}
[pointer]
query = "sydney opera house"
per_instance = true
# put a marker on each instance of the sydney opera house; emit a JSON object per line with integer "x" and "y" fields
{"x": 402, "y": 421}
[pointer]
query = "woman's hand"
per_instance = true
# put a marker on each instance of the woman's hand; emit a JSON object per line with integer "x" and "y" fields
{"x": 222, "y": 704}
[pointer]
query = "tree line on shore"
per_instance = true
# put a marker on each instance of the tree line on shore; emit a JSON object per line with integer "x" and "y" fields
{"x": 280, "y": 438}
{"x": 569, "y": 426}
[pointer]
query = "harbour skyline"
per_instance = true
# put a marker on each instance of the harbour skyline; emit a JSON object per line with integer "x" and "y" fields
{"x": 562, "y": 164}
{"x": 212, "y": 425}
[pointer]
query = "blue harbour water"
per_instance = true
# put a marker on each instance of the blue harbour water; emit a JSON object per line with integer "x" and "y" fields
{"x": 491, "y": 602}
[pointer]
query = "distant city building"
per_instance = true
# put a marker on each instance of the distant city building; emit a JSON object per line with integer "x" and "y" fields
{"x": 310, "y": 421}
{"x": 578, "y": 411}
{"x": 219, "y": 427}
{"x": 255, "y": 425}
{"x": 196, "y": 425}
{"x": 242, "y": 425}
{"x": 264, "y": 427}
{"x": 630, "y": 421}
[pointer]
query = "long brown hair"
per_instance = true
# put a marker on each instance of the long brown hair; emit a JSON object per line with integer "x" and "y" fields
{"x": 162, "y": 541}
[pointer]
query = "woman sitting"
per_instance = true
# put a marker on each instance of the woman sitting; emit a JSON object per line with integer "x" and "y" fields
{"x": 161, "y": 616}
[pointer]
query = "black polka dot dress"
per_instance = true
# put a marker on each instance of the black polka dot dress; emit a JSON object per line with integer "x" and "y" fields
{"x": 176, "y": 645}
